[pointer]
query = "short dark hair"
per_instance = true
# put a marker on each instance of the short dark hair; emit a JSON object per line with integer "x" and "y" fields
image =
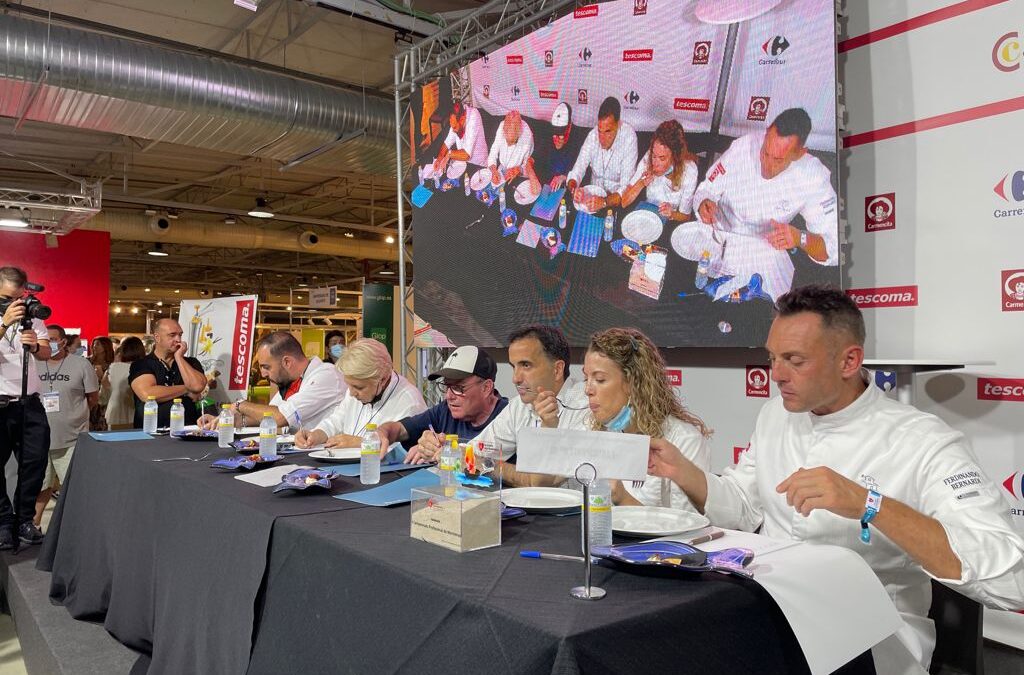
{"x": 60, "y": 329}
{"x": 551, "y": 340}
{"x": 836, "y": 309}
{"x": 793, "y": 122}
{"x": 458, "y": 109}
{"x": 281, "y": 343}
{"x": 610, "y": 108}
{"x": 14, "y": 274}
{"x": 331, "y": 334}
{"x": 132, "y": 349}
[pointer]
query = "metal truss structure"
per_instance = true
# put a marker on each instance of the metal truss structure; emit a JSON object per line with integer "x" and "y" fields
{"x": 55, "y": 212}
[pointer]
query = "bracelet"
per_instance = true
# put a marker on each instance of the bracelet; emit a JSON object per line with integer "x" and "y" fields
{"x": 872, "y": 506}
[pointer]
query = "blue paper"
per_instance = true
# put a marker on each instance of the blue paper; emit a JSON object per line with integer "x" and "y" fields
{"x": 420, "y": 196}
{"x": 586, "y": 235}
{"x": 547, "y": 203}
{"x": 398, "y": 492}
{"x": 120, "y": 435}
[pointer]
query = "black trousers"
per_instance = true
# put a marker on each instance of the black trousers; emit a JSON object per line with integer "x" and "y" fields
{"x": 25, "y": 432}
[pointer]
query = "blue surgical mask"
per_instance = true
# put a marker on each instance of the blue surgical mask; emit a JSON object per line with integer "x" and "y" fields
{"x": 336, "y": 350}
{"x": 621, "y": 420}
{"x": 54, "y": 347}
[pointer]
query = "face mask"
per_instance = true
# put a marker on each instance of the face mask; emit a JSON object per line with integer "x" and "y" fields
{"x": 336, "y": 350}
{"x": 54, "y": 347}
{"x": 621, "y": 420}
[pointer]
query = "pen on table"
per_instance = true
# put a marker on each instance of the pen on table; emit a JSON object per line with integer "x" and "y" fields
{"x": 549, "y": 556}
{"x": 703, "y": 539}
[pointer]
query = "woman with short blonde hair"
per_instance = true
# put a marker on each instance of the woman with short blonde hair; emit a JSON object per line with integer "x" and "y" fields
{"x": 365, "y": 359}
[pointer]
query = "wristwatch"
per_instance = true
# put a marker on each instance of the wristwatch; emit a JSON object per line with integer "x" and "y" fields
{"x": 803, "y": 240}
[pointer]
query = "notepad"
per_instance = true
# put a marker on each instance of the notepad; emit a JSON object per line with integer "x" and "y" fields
{"x": 397, "y": 492}
{"x": 586, "y": 235}
{"x": 547, "y": 203}
{"x": 120, "y": 435}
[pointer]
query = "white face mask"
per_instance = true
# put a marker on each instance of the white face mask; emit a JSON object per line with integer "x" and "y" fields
{"x": 54, "y": 347}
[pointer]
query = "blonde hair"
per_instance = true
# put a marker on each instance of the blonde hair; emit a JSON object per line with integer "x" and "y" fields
{"x": 365, "y": 359}
{"x": 652, "y": 399}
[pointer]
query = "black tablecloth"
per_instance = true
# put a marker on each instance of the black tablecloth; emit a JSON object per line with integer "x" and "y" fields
{"x": 170, "y": 555}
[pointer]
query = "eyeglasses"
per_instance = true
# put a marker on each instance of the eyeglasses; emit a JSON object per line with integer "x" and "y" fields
{"x": 457, "y": 389}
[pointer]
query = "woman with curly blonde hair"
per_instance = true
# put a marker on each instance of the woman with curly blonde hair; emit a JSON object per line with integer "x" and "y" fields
{"x": 628, "y": 392}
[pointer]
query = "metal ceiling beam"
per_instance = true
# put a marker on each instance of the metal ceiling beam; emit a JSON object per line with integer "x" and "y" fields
{"x": 378, "y": 14}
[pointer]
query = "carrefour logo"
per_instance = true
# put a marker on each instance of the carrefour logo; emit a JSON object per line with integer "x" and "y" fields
{"x": 1014, "y": 484}
{"x": 1007, "y": 52}
{"x": 1014, "y": 183}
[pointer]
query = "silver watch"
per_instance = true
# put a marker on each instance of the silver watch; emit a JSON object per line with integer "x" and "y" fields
{"x": 803, "y": 240}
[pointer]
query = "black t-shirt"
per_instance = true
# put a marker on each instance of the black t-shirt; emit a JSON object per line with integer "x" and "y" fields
{"x": 165, "y": 377}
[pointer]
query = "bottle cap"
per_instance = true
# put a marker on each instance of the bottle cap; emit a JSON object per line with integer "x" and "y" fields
{"x": 225, "y": 406}
{"x": 371, "y": 427}
{"x": 177, "y": 400}
{"x": 268, "y": 414}
{"x": 151, "y": 398}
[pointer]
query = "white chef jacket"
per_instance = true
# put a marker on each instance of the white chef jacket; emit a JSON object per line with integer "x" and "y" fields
{"x": 662, "y": 491}
{"x": 907, "y": 455}
{"x": 511, "y": 156}
{"x": 473, "y": 140}
{"x": 747, "y": 203}
{"x": 517, "y": 415}
{"x": 321, "y": 388}
{"x": 400, "y": 399}
{"x": 610, "y": 169}
{"x": 11, "y": 353}
{"x": 660, "y": 190}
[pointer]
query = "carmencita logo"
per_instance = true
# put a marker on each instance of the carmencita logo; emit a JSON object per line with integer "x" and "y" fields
{"x": 701, "y": 53}
{"x": 758, "y": 382}
{"x": 880, "y": 212}
{"x": 1008, "y": 52}
{"x": 1013, "y": 290}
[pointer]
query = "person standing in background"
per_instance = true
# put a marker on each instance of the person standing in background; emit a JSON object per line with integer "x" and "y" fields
{"x": 121, "y": 404}
{"x": 101, "y": 356}
{"x": 334, "y": 343}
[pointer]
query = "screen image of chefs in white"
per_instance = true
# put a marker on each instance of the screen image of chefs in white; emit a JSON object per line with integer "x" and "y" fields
{"x": 610, "y": 153}
{"x": 747, "y": 202}
{"x": 513, "y": 145}
{"x": 668, "y": 172}
{"x": 465, "y": 140}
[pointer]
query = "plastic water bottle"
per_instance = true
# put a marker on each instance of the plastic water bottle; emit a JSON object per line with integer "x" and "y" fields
{"x": 600, "y": 508}
{"x": 225, "y": 427}
{"x": 177, "y": 417}
{"x": 369, "y": 456}
{"x": 703, "y": 266}
{"x": 501, "y": 198}
{"x": 561, "y": 215}
{"x": 149, "y": 412}
{"x": 609, "y": 226}
{"x": 447, "y": 465}
{"x": 268, "y": 435}
{"x": 437, "y": 180}
{"x": 465, "y": 180}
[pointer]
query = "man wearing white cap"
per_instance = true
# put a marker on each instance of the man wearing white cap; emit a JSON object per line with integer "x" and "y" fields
{"x": 470, "y": 403}
{"x": 610, "y": 153}
{"x": 750, "y": 195}
{"x": 465, "y": 140}
{"x": 558, "y": 158}
{"x": 512, "y": 147}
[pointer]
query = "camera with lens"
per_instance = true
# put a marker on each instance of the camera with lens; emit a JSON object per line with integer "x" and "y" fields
{"x": 34, "y": 308}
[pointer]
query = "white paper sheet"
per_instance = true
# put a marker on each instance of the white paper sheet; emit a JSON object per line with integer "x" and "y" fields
{"x": 269, "y": 477}
{"x": 559, "y": 451}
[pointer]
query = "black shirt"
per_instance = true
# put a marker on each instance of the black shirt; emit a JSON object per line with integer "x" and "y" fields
{"x": 165, "y": 377}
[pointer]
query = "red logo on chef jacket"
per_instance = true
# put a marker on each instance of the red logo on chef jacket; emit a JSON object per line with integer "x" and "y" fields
{"x": 585, "y": 12}
{"x": 692, "y": 104}
{"x": 702, "y": 53}
{"x": 880, "y": 212}
{"x": 719, "y": 170}
{"x": 888, "y": 296}
{"x": 674, "y": 377}
{"x": 1015, "y": 485}
{"x": 581, "y": 97}
{"x": 487, "y": 91}
{"x": 758, "y": 109}
{"x": 758, "y": 381}
{"x": 634, "y": 55}
{"x": 1000, "y": 389}
{"x": 241, "y": 352}
{"x": 737, "y": 451}
{"x": 514, "y": 59}
{"x": 639, "y": 7}
{"x": 1013, "y": 290}
{"x": 546, "y": 93}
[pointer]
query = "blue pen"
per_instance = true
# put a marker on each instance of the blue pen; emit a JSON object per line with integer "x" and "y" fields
{"x": 550, "y": 556}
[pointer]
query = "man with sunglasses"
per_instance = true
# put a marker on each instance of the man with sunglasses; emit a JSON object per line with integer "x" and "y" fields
{"x": 470, "y": 403}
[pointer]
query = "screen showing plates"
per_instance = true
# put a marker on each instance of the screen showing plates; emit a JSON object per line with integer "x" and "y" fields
{"x": 666, "y": 165}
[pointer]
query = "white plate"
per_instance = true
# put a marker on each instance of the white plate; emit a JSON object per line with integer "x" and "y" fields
{"x": 589, "y": 190}
{"x": 340, "y": 455}
{"x": 654, "y": 521}
{"x": 428, "y": 172}
{"x": 542, "y": 500}
{"x": 642, "y": 226}
{"x": 482, "y": 179}
{"x": 456, "y": 168}
{"x": 524, "y": 195}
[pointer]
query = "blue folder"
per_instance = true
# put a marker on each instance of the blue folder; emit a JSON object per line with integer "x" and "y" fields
{"x": 546, "y": 206}
{"x": 586, "y": 235}
{"x": 397, "y": 492}
{"x": 120, "y": 435}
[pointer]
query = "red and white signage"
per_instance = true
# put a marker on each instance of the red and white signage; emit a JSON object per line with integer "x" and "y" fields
{"x": 546, "y": 93}
{"x": 639, "y": 7}
{"x": 880, "y": 212}
{"x": 220, "y": 333}
{"x": 758, "y": 110}
{"x": 758, "y": 382}
{"x": 701, "y": 53}
{"x": 241, "y": 352}
{"x": 585, "y": 12}
{"x": 888, "y": 296}
{"x": 694, "y": 104}
{"x": 737, "y": 451}
{"x": 1000, "y": 389}
{"x": 674, "y": 377}
{"x": 514, "y": 59}
{"x": 1012, "y": 287}
{"x": 634, "y": 55}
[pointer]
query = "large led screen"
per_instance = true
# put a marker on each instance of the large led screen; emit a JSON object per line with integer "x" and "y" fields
{"x": 661, "y": 164}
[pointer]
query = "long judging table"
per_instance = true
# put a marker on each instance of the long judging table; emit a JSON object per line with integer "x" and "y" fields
{"x": 212, "y": 575}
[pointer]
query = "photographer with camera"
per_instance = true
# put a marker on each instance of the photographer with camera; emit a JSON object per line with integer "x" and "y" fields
{"x": 23, "y": 426}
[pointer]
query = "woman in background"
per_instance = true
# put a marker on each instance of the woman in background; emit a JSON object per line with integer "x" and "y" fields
{"x": 120, "y": 411}
{"x": 334, "y": 343}
{"x": 101, "y": 355}
{"x": 668, "y": 171}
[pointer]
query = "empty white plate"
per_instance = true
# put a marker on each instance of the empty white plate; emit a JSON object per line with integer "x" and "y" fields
{"x": 542, "y": 500}
{"x": 456, "y": 168}
{"x": 340, "y": 455}
{"x": 642, "y": 226}
{"x": 482, "y": 179}
{"x": 523, "y": 194}
{"x": 590, "y": 191}
{"x": 654, "y": 521}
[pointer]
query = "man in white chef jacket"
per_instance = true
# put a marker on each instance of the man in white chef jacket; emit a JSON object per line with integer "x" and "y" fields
{"x": 610, "y": 153}
{"x": 833, "y": 460}
{"x": 747, "y": 203}
{"x": 465, "y": 140}
{"x": 513, "y": 145}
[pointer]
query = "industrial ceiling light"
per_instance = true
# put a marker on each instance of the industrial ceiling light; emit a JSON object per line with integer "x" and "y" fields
{"x": 230, "y": 220}
{"x": 349, "y": 235}
{"x": 13, "y": 218}
{"x": 261, "y": 210}
{"x": 387, "y": 271}
{"x": 158, "y": 251}
{"x": 389, "y": 239}
{"x": 251, "y": 5}
{"x": 146, "y": 289}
